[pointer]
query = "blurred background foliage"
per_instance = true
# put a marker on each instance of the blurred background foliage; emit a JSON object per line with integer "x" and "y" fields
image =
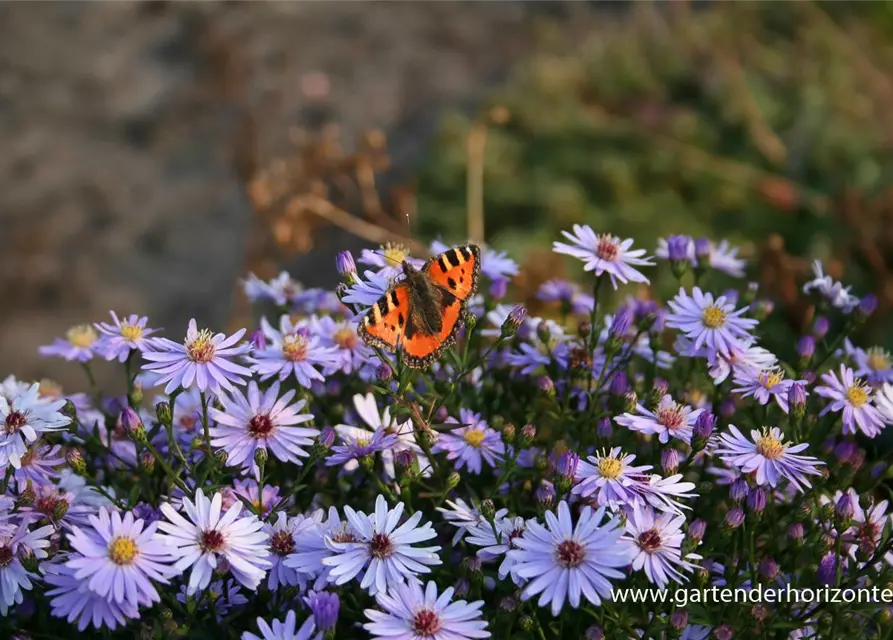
{"x": 768, "y": 124}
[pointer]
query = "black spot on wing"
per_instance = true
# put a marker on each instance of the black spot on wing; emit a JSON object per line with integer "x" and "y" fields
{"x": 442, "y": 263}
{"x": 401, "y": 320}
{"x": 453, "y": 257}
{"x": 451, "y": 283}
{"x": 383, "y": 306}
{"x": 461, "y": 280}
{"x": 465, "y": 253}
{"x": 370, "y": 319}
{"x": 394, "y": 300}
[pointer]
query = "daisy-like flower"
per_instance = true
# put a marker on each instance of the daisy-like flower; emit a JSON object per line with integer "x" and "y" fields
{"x": 121, "y": 337}
{"x": 568, "y": 294}
{"x": 833, "y": 292}
{"x": 38, "y": 466}
{"x": 17, "y": 543}
{"x": 611, "y": 479}
{"x": 472, "y": 444}
{"x": 464, "y": 517}
{"x": 604, "y": 253}
{"x": 202, "y": 360}
{"x": 357, "y": 448}
{"x": 352, "y": 352}
{"x": 655, "y": 542}
{"x": 292, "y": 351}
{"x": 497, "y": 540}
{"x": 765, "y": 385}
{"x": 724, "y": 257}
{"x": 874, "y": 364}
{"x": 383, "y": 551}
{"x": 746, "y": 357}
{"x": 118, "y": 558}
{"x": 80, "y": 344}
{"x": 409, "y": 613}
{"x": 311, "y": 548}
{"x": 23, "y": 419}
{"x": 264, "y": 499}
{"x": 767, "y": 454}
{"x": 854, "y": 398}
{"x": 708, "y": 322}
{"x": 283, "y": 536}
{"x": 281, "y": 290}
{"x": 367, "y": 409}
{"x": 669, "y": 420}
{"x": 70, "y": 598}
{"x": 366, "y": 292}
{"x": 883, "y": 399}
{"x": 565, "y": 562}
{"x": 287, "y": 630}
{"x": 868, "y": 527}
{"x": 248, "y": 423}
{"x": 205, "y": 538}
{"x": 389, "y": 258}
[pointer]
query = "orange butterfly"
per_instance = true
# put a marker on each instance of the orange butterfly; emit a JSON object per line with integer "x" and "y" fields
{"x": 423, "y": 312}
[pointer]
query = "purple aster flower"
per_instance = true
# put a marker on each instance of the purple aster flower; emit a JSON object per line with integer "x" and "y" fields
{"x": 484, "y": 534}
{"x": 833, "y": 292}
{"x": 287, "y": 630}
{"x": 383, "y": 552}
{"x": 564, "y": 561}
{"x": 676, "y": 248}
{"x": 465, "y": 517}
{"x": 119, "y": 559}
{"x": 263, "y": 500}
{"x": 604, "y": 253}
{"x": 655, "y": 542}
{"x": 206, "y": 538}
{"x": 568, "y": 294}
{"x": 883, "y": 399}
{"x": 392, "y": 255}
{"x": 325, "y": 606}
{"x": 724, "y": 257}
{"x": 765, "y": 385}
{"x": 38, "y": 466}
{"x": 292, "y": 350}
{"x": 741, "y": 357}
{"x": 472, "y": 444}
{"x": 23, "y": 419}
{"x": 366, "y": 292}
{"x": 352, "y": 353}
{"x": 768, "y": 455}
{"x": 283, "y": 535}
{"x": 714, "y": 324}
{"x": 610, "y": 479}
{"x": 496, "y": 265}
{"x": 70, "y": 598}
{"x": 281, "y": 290}
{"x": 311, "y": 547}
{"x": 17, "y": 543}
{"x": 247, "y": 423}
{"x": 120, "y": 338}
{"x": 80, "y": 344}
{"x": 357, "y": 448}
{"x": 202, "y": 360}
{"x": 222, "y": 596}
{"x": 669, "y": 420}
{"x": 874, "y": 363}
{"x": 408, "y": 612}
{"x": 854, "y": 398}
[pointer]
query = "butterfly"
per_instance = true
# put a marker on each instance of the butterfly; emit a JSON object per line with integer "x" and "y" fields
{"x": 422, "y": 313}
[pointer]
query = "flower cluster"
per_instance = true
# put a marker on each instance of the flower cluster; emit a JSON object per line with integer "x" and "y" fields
{"x": 291, "y": 481}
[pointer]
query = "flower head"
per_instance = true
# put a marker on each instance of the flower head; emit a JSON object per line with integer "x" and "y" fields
{"x": 765, "y": 385}
{"x": 714, "y": 324}
{"x": 668, "y": 420}
{"x": 284, "y": 533}
{"x": 281, "y": 290}
{"x": 203, "y": 360}
{"x": 655, "y": 541}
{"x": 80, "y": 344}
{"x": 293, "y": 351}
{"x": 23, "y": 419}
{"x": 470, "y": 445}
{"x": 408, "y": 612}
{"x": 287, "y": 630}
{"x": 72, "y": 599}
{"x": 604, "y": 253}
{"x": 833, "y": 292}
{"x": 854, "y": 399}
{"x": 121, "y": 337}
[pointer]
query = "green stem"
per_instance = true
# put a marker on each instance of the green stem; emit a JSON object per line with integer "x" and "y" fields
{"x": 175, "y": 478}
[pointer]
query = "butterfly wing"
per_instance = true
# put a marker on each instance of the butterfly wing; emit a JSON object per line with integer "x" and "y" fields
{"x": 421, "y": 348}
{"x": 385, "y": 323}
{"x": 456, "y": 270}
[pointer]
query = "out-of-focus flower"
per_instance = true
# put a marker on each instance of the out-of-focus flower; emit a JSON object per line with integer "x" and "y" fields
{"x": 121, "y": 337}
{"x": 833, "y": 292}
{"x": 70, "y": 598}
{"x": 604, "y": 253}
{"x": 81, "y": 344}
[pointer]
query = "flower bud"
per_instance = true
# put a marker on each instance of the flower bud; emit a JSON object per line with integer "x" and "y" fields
{"x": 594, "y": 632}
{"x": 630, "y": 401}
{"x": 727, "y": 407}
{"x": 461, "y": 588}
{"x": 621, "y": 323}
{"x": 488, "y": 510}
{"x": 515, "y": 319}
{"x": 738, "y": 490}
{"x": 221, "y": 456}
{"x": 566, "y": 465}
{"x": 703, "y": 429}
{"x": 756, "y": 500}
{"x": 806, "y": 348}
{"x": 196, "y": 444}
{"x": 163, "y": 413}
{"x": 136, "y": 394}
{"x": 679, "y": 620}
{"x": 845, "y": 450}
{"x": 696, "y": 530}
{"x": 820, "y": 327}
{"x": 453, "y": 480}
{"x": 70, "y": 411}
{"x": 604, "y": 429}
{"x": 527, "y": 624}
{"x": 545, "y": 494}
{"x": 844, "y": 508}
{"x": 76, "y": 462}
{"x": 327, "y": 437}
{"x": 619, "y": 384}
{"x": 546, "y": 385}
{"x": 508, "y": 434}
{"x": 325, "y": 606}
{"x": 542, "y": 330}
{"x": 734, "y": 518}
{"x": 796, "y": 532}
{"x": 679, "y": 249}
{"x": 702, "y": 252}
{"x": 133, "y": 426}
{"x": 827, "y": 570}
{"x": 669, "y": 461}
{"x": 528, "y": 433}
{"x": 508, "y": 604}
{"x": 346, "y": 265}
{"x": 769, "y": 568}
{"x": 258, "y": 340}
{"x": 723, "y": 632}
{"x": 260, "y": 456}
{"x": 797, "y": 401}
{"x": 867, "y": 306}
{"x": 657, "y": 393}
{"x": 384, "y": 372}
{"x": 147, "y": 462}
{"x": 584, "y": 328}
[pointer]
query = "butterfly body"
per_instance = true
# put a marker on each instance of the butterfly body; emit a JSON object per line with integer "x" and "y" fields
{"x": 421, "y": 314}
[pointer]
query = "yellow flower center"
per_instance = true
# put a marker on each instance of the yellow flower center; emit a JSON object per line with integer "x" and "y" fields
{"x": 294, "y": 347}
{"x": 50, "y": 389}
{"x": 878, "y": 359}
{"x": 346, "y": 338}
{"x": 123, "y": 550}
{"x": 131, "y": 331}
{"x": 770, "y": 447}
{"x": 395, "y": 254}
{"x": 362, "y": 442}
{"x": 857, "y": 395}
{"x": 610, "y": 468}
{"x": 770, "y": 378}
{"x": 474, "y": 437}
{"x": 200, "y": 348}
{"x": 713, "y": 317}
{"x": 82, "y": 335}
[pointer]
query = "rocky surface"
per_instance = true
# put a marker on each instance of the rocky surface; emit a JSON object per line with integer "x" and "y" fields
{"x": 120, "y": 126}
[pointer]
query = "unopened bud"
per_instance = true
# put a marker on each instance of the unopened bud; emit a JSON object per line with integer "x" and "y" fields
{"x": 739, "y": 489}
{"x": 669, "y": 461}
{"x": 679, "y": 620}
{"x": 136, "y": 394}
{"x": 76, "y": 462}
{"x": 734, "y": 518}
{"x": 543, "y": 332}
{"x": 453, "y": 480}
{"x": 867, "y": 306}
{"x": 514, "y": 320}
{"x": 147, "y": 462}
{"x": 820, "y": 327}
{"x": 696, "y": 530}
{"x": 260, "y": 457}
{"x": 756, "y": 500}
{"x": 508, "y": 434}
{"x": 619, "y": 384}
{"x": 346, "y": 265}
{"x": 163, "y": 412}
{"x": 133, "y": 425}
{"x": 258, "y": 340}
{"x": 546, "y": 385}
{"x": 604, "y": 429}
{"x": 845, "y": 509}
{"x": 528, "y": 433}
{"x": 527, "y": 624}
{"x": 806, "y": 349}
{"x": 384, "y": 372}
{"x": 769, "y": 568}
{"x": 197, "y": 444}
{"x": 545, "y": 494}
{"x": 796, "y": 532}
{"x": 488, "y": 510}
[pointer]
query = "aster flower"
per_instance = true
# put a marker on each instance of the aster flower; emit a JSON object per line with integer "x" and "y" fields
{"x": 325, "y": 606}
{"x": 746, "y": 357}
{"x": 669, "y": 420}
{"x": 38, "y": 466}
{"x": 714, "y": 324}
{"x": 357, "y": 448}
{"x": 248, "y": 423}
{"x": 604, "y": 253}
{"x": 263, "y": 500}
{"x": 292, "y": 351}
{"x": 206, "y": 538}
{"x": 874, "y": 363}
{"x": 389, "y": 258}
{"x": 120, "y": 338}
{"x": 564, "y": 561}
{"x": 676, "y": 248}
{"x": 118, "y": 558}
{"x": 408, "y": 613}
{"x": 768, "y": 455}
{"x": 568, "y": 294}
{"x": 202, "y": 360}
{"x": 883, "y": 400}
{"x": 366, "y": 292}
{"x": 367, "y": 409}
{"x": 610, "y": 478}
{"x": 222, "y": 596}
{"x": 23, "y": 419}
{"x": 851, "y": 396}
{"x": 352, "y": 352}
{"x": 18, "y": 542}
{"x": 833, "y": 292}
{"x": 472, "y": 444}
{"x": 283, "y": 536}
{"x": 281, "y": 290}
{"x": 287, "y": 630}
{"x": 868, "y": 527}
{"x": 465, "y": 517}
{"x": 383, "y": 551}
{"x": 724, "y": 257}
{"x": 663, "y": 493}
{"x": 765, "y": 385}
{"x": 80, "y": 344}
{"x": 70, "y": 598}
{"x": 655, "y": 542}
{"x": 311, "y": 548}
{"x": 497, "y": 539}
